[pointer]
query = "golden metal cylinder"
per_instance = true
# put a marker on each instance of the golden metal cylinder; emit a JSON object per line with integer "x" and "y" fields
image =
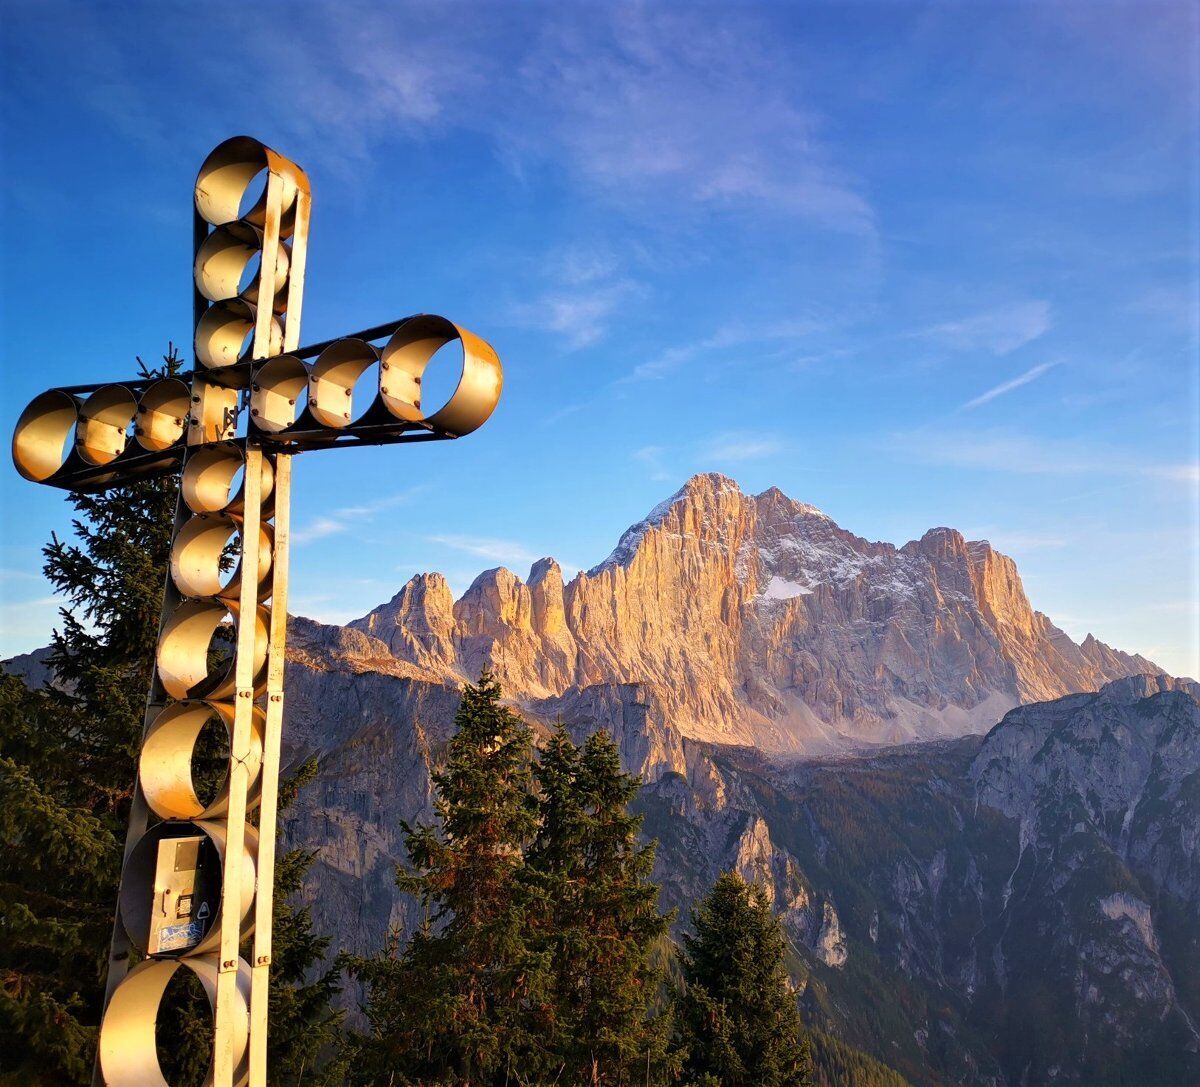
{"x": 334, "y": 374}
{"x": 138, "y": 897}
{"x": 128, "y": 1045}
{"x": 222, "y": 260}
{"x": 200, "y": 547}
{"x": 212, "y": 479}
{"x": 103, "y": 429}
{"x": 409, "y": 352}
{"x": 165, "y": 768}
{"x": 223, "y": 333}
{"x": 276, "y": 389}
{"x": 183, "y": 650}
{"x": 228, "y": 174}
{"x": 39, "y": 445}
{"x": 162, "y": 413}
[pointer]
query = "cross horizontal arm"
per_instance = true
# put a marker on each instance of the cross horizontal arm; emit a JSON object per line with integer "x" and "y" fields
{"x": 139, "y": 429}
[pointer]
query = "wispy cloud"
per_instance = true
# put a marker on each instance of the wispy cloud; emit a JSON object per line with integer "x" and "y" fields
{"x": 733, "y": 445}
{"x": 580, "y": 316}
{"x": 652, "y": 103}
{"x": 651, "y": 106}
{"x": 796, "y": 330}
{"x": 652, "y": 457}
{"x": 1017, "y": 540}
{"x": 508, "y": 553}
{"x": 581, "y": 289}
{"x": 1177, "y": 473}
{"x": 25, "y": 625}
{"x": 346, "y": 517}
{"x": 999, "y": 331}
{"x": 1003, "y": 451}
{"x": 1032, "y": 374}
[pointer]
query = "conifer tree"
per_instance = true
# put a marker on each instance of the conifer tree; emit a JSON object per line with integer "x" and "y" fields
{"x": 58, "y": 872}
{"x": 598, "y": 917}
{"x": 739, "y": 1023}
{"x": 459, "y": 1004}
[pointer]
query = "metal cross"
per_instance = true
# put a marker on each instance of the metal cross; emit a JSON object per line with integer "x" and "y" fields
{"x": 197, "y": 881}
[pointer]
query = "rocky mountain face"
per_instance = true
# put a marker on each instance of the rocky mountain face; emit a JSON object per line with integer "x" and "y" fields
{"x": 1014, "y": 910}
{"x": 756, "y": 620}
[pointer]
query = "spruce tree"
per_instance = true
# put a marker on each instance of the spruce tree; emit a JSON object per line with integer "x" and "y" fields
{"x": 58, "y": 872}
{"x": 459, "y": 1003}
{"x": 597, "y": 917}
{"x": 739, "y": 1023}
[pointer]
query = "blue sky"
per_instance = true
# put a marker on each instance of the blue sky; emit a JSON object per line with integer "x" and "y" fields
{"x": 916, "y": 264}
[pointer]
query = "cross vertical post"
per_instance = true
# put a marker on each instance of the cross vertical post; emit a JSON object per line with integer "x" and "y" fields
{"x": 197, "y": 883}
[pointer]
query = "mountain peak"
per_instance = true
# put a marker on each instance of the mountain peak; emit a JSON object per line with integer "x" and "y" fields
{"x": 702, "y": 489}
{"x": 758, "y": 620}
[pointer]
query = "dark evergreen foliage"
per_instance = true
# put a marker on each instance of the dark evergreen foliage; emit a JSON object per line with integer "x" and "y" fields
{"x": 459, "y": 1004}
{"x": 739, "y": 1025}
{"x": 536, "y": 963}
{"x": 598, "y": 917}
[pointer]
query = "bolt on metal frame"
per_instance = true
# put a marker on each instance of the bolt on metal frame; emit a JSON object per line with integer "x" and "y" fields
{"x": 229, "y": 427}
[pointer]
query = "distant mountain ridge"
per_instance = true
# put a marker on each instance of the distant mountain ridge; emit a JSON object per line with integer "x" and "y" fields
{"x": 1010, "y": 910}
{"x": 756, "y": 619}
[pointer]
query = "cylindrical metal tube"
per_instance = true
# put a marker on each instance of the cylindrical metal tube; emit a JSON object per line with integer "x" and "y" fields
{"x": 334, "y": 374}
{"x": 227, "y": 175}
{"x": 103, "y": 429}
{"x": 141, "y": 899}
{"x": 202, "y": 548}
{"x": 276, "y": 389}
{"x": 410, "y": 351}
{"x": 184, "y": 664}
{"x": 223, "y": 332}
{"x": 162, "y": 413}
{"x": 128, "y": 1042}
{"x": 165, "y": 768}
{"x": 212, "y": 479}
{"x": 222, "y": 260}
{"x": 39, "y": 445}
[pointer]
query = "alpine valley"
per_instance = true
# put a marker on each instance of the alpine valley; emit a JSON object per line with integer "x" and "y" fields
{"x": 983, "y": 838}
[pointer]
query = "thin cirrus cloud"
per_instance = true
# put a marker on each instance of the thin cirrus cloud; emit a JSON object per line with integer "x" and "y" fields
{"x": 347, "y": 517}
{"x": 996, "y": 391}
{"x": 647, "y": 102}
{"x": 508, "y": 553}
{"x": 649, "y": 106}
{"x": 998, "y": 331}
{"x": 794, "y": 331}
{"x": 1004, "y": 451}
{"x": 653, "y": 457}
{"x": 738, "y": 446}
{"x": 579, "y": 317}
{"x": 728, "y": 447}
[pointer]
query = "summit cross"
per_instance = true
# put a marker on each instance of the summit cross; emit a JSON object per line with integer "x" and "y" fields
{"x": 198, "y": 875}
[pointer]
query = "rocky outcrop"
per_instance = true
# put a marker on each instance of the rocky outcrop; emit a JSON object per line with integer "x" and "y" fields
{"x": 1017, "y": 909}
{"x": 757, "y": 620}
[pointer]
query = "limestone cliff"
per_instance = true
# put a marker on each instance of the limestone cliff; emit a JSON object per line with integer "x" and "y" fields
{"x": 757, "y": 620}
